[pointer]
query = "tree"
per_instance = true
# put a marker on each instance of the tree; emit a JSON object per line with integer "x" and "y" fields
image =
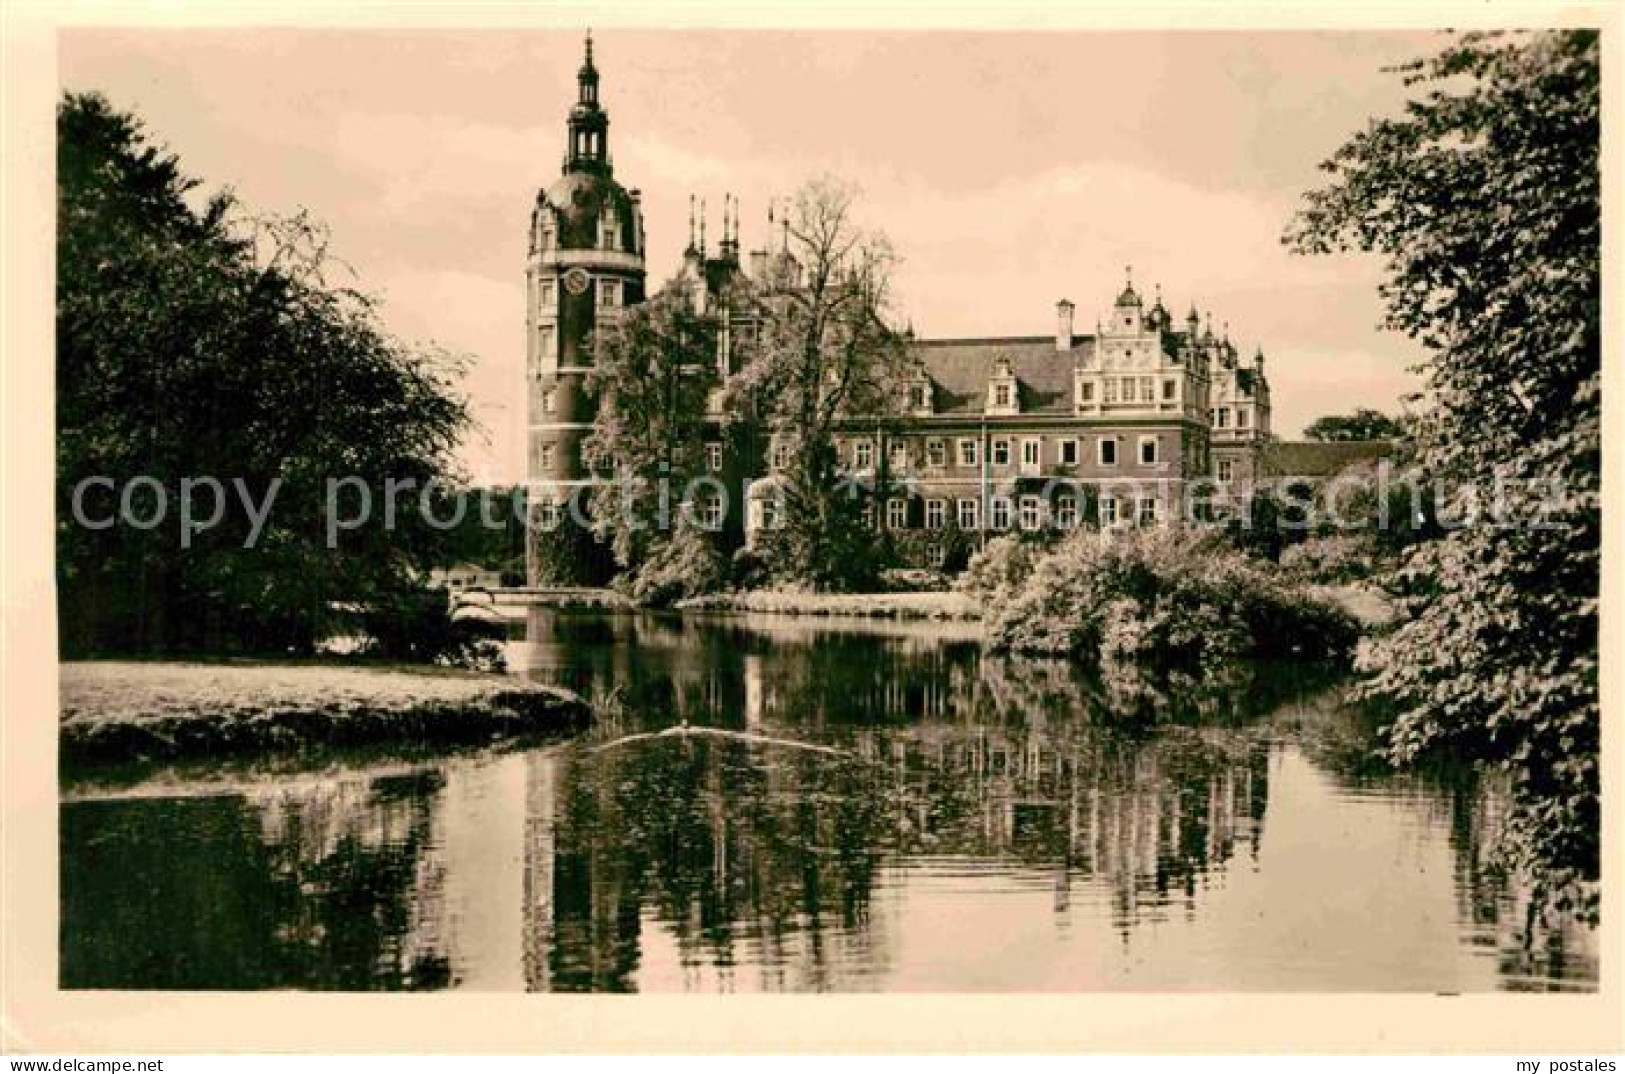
{"x": 209, "y": 343}
{"x": 1484, "y": 200}
{"x": 652, "y": 379}
{"x": 824, "y": 354}
{"x": 1363, "y": 424}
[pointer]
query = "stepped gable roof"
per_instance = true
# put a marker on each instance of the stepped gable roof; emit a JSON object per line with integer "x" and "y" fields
{"x": 1316, "y": 458}
{"x": 962, "y": 368}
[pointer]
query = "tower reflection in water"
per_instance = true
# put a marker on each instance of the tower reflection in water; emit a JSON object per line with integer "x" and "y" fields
{"x": 973, "y": 801}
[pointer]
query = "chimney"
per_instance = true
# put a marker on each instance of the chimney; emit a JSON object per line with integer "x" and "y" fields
{"x": 1063, "y": 325}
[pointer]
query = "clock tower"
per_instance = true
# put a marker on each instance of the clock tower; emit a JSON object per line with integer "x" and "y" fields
{"x": 585, "y": 266}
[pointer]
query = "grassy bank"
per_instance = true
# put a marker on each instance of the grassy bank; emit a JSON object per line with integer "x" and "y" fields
{"x": 114, "y": 712}
{"x": 867, "y": 605}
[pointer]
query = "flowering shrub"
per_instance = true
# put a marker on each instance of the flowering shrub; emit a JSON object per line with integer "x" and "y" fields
{"x": 1330, "y": 560}
{"x": 997, "y": 570}
{"x": 1172, "y": 598}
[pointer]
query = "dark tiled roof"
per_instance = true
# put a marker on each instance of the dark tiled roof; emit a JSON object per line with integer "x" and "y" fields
{"x": 1315, "y": 458}
{"x": 961, "y": 368}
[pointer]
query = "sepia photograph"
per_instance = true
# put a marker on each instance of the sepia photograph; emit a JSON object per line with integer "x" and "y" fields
{"x": 610, "y": 508}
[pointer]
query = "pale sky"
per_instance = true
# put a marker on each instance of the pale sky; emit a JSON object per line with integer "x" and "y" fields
{"x": 1009, "y": 170}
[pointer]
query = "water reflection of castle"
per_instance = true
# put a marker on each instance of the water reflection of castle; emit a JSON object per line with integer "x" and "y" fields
{"x": 703, "y": 862}
{"x": 566, "y": 869}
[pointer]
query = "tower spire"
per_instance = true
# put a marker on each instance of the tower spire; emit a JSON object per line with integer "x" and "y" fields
{"x": 589, "y": 124}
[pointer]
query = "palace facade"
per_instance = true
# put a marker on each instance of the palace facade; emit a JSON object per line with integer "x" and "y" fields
{"x": 1111, "y": 427}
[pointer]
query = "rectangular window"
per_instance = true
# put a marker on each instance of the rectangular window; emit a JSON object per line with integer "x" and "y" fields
{"x": 1169, "y": 389}
{"x": 1001, "y": 395}
{"x": 1108, "y": 451}
{"x": 1241, "y": 417}
{"x": 548, "y": 515}
{"x": 1148, "y": 450}
{"x": 936, "y": 452}
{"x": 1148, "y": 389}
{"x": 1000, "y": 510}
{"x": 916, "y": 397}
{"x": 936, "y": 514}
{"x": 969, "y": 514}
{"x": 1148, "y": 510}
{"x": 967, "y": 453}
{"x": 1226, "y": 469}
{"x": 713, "y": 458}
{"x": 1069, "y": 452}
{"x": 896, "y": 514}
{"x": 863, "y": 455}
{"x": 1066, "y": 511}
{"x": 550, "y": 401}
{"x": 1108, "y": 512}
{"x": 549, "y": 295}
{"x": 781, "y": 456}
{"x": 1086, "y": 392}
{"x": 545, "y": 456}
{"x": 547, "y": 341}
{"x": 609, "y": 292}
{"x": 1030, "y": 513}
{"x": 1031, "y": 452}
{"x": 1001, "y": 453}
{"x": 1224, "y": 418}
{"x": 899, "y": 455}
{"x": 1110, "y": 395}
{"x": 708, "y": 511}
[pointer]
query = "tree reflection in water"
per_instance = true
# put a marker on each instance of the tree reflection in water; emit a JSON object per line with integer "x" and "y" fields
{"x": 1128, "y": 802}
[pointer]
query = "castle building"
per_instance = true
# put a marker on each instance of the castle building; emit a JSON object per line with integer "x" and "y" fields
{"x": 585, "y": 265}
{"x": 1110, "y": 428}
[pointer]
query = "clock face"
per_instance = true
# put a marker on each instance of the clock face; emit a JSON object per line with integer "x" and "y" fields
{"x": 576, "y": 281}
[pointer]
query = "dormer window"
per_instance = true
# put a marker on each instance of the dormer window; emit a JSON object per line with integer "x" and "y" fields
{"x": 1002, "y": 394}
{"x": 917, "y": 396}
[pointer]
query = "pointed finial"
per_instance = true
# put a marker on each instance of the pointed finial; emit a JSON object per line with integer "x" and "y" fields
{"x": 702, "y": 225}
{"x": 589, "y": 45}
{"x": 691, "y": 221}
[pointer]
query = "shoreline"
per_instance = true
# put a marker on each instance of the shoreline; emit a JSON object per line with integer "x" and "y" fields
{"x": 936, "y": 604}
{"x": 140, "y": 711}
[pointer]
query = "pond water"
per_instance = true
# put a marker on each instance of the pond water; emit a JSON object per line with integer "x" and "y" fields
{"x": 830, "y": 807}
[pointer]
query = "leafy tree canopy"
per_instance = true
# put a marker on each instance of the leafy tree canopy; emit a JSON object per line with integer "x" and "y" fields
{"x": 199, "y": 340}
{"x": 1363, "y": 424}
{"x": 1484, "y": 200}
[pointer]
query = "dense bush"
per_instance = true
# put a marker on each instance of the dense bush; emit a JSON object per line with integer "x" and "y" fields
{"x": 687, "y": 564}
{"x": 996, "y": 572}
{"x": 914, "y": 580}
{"x": 1331, "y": 560}
{"x": 1169, "y": 597}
